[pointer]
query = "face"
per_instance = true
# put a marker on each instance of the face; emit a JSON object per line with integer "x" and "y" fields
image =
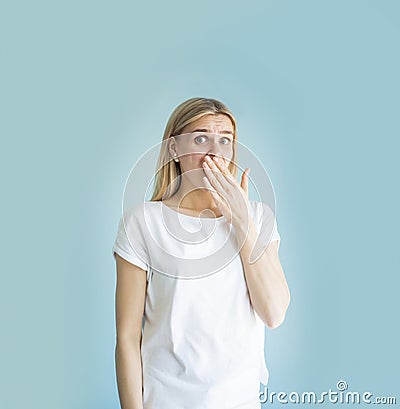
{"x": 212, "y": 135}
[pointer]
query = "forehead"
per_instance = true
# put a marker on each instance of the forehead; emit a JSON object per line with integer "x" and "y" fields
{"x": 212, "y": 123}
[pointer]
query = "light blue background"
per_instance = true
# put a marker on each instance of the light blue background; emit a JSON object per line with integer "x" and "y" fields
{"x": 87, "y": 87}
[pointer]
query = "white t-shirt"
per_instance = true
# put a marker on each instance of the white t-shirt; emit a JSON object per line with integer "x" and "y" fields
{"x": 202, "y": 341}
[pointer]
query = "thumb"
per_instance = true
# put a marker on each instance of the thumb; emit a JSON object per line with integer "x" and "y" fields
{"x": 245, "y": 180}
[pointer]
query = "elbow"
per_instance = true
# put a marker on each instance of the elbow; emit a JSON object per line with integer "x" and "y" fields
{"x": 124, "y": 340}
{"x": 278, "y": 319}
{"x": 275, "y": 322}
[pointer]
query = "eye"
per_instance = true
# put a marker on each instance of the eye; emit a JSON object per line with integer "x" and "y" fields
{"x": 201, "y": 138}
{"x": 226, "y": 141}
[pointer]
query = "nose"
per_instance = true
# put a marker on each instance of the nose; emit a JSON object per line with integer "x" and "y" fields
{"x": 211, "y": 154}
{"x": 215, "y": 149}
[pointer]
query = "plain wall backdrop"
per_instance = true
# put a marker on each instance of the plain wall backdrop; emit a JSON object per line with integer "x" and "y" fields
{"x": 86, "y": 87}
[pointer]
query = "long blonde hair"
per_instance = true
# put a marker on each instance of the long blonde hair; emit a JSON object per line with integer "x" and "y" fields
{"x": 189, "y": 111}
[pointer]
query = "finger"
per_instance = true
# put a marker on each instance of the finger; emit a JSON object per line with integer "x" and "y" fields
{"x": 224, "y": 173}
{"x": 214, "y": 175}
{"x": 220, "y": 202}
{"x": 214, "y": 193}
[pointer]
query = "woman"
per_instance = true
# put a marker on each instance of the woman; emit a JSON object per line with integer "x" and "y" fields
{"x": 202, "y": 298}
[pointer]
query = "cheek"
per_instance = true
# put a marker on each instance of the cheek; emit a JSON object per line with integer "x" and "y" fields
{"x": 228, "y": 154}
{"x": 193, "y": 160}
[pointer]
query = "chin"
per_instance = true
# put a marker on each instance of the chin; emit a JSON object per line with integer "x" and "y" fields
{"x": 195, "y": 177}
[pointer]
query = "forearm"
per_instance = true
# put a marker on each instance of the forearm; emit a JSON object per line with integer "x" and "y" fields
{"x": 128, "y": 365}
{"x": 268, "y": 290}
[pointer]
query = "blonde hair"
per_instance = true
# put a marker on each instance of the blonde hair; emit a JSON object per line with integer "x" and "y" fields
{"x": 189, "y": 111}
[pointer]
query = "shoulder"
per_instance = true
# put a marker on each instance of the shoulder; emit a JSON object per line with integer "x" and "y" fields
{"x": 140, "y": 211}
{"x": 263, "y": 208}
{"x": 263, "y": 214}
{"x": 260, "y": 209}
{"x": 136, "y": 219}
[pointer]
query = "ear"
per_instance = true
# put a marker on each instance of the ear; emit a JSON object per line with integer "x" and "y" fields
{"x": 171, "y": 146}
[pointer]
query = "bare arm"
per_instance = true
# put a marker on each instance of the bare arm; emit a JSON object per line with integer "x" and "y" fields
{"x": 268, "y": 289}
{"x": 130, "y": 298}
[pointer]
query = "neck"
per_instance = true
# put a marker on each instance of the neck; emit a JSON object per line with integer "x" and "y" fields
{"x": 190, "y": 197}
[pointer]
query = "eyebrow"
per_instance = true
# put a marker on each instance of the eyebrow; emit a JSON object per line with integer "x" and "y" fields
{"x": 206, "y": 130}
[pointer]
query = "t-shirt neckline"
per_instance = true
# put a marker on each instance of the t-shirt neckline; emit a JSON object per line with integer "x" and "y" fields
{"x": 190, "y": 217}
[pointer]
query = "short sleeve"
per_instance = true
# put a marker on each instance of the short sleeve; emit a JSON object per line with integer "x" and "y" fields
{"x": 129, "y": 242}
{"x": 268, "y": 225}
